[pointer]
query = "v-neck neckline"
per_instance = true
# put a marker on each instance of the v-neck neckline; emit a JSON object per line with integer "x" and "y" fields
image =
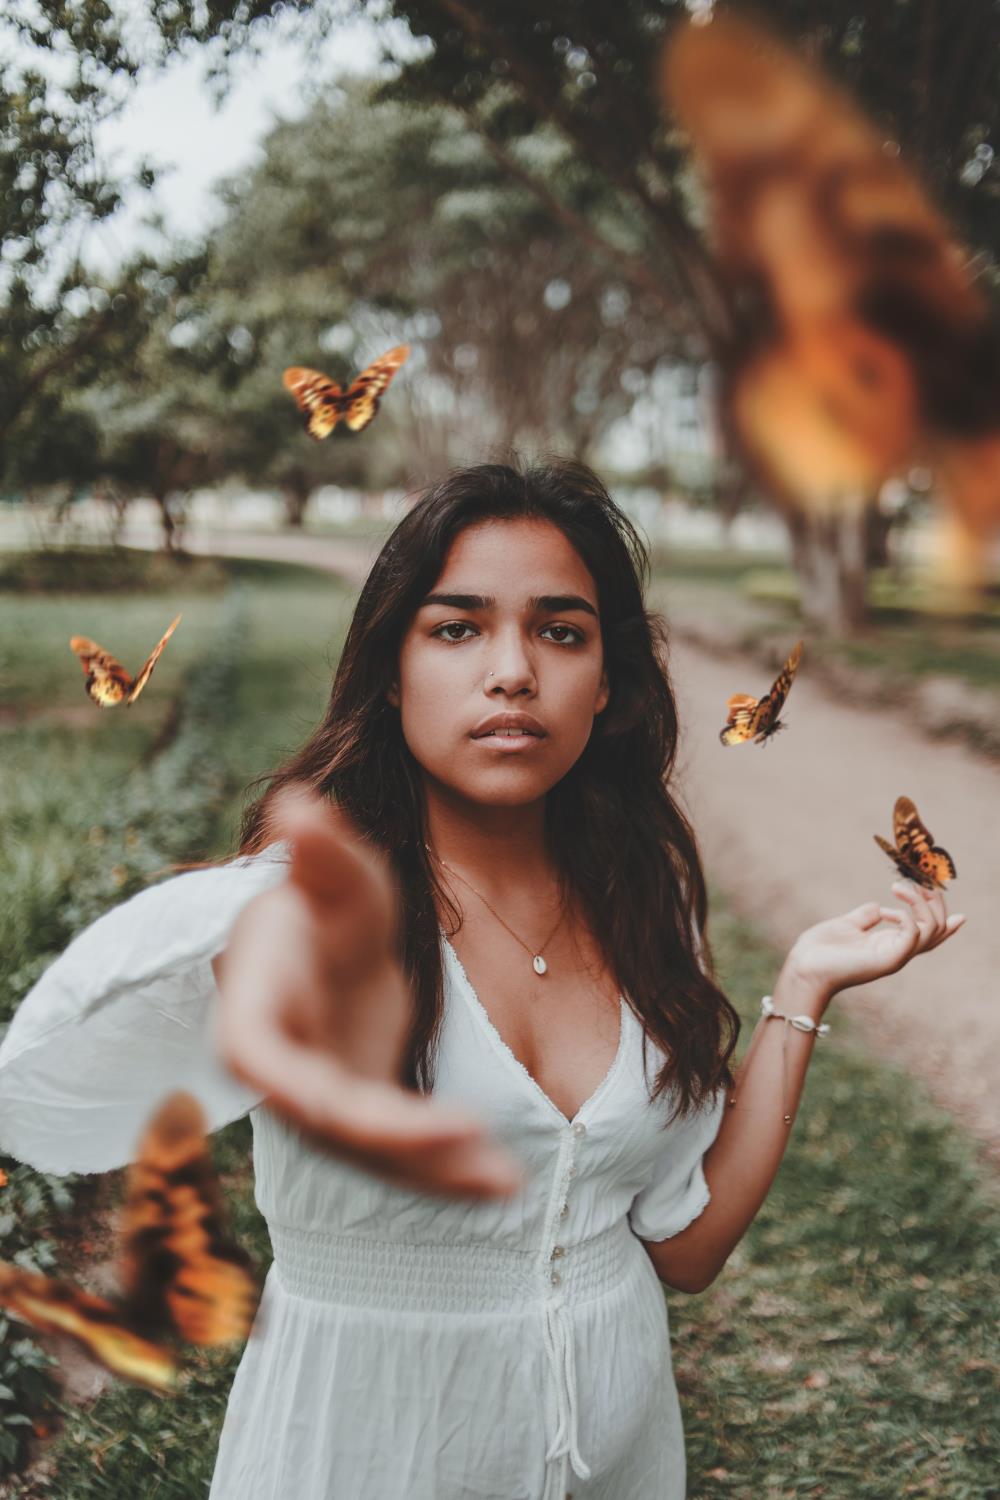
{"x": 479, "y": 1010}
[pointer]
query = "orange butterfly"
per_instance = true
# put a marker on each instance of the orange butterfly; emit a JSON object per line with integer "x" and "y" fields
{"x": 107, "y": 680}
{"x": 325, "y": 402}
{"x": 915, "y": 855}
{"x": 749, "y": 718}
{"x": 864, "y": 343}
{"x": 180, "y": 1277}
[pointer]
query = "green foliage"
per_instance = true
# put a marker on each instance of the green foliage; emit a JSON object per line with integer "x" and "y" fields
{"x": 96, "y": 570}
{"x": 65, "y": 67}
{"x": 250, "y": 676}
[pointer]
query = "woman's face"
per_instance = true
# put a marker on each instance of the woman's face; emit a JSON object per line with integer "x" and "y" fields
{"x": 510, "y": 627}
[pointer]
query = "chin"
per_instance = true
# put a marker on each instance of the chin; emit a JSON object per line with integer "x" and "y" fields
{"x": 504, "y": 786}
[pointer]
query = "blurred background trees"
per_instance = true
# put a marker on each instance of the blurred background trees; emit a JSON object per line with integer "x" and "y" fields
{"x": 510, "y": 200}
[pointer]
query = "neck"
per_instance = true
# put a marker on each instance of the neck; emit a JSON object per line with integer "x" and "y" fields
{"x": 498, "y": 849}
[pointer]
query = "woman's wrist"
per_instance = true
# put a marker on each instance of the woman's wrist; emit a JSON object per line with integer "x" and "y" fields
{"x": 798, "y": 992}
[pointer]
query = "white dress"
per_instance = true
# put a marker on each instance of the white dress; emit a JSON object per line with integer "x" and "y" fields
{"x": 405, "y": 1345}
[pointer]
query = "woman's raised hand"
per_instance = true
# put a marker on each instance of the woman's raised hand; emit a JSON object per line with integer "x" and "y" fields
{"x": 315, "y": 1011}
{"x": 872, "y": 940}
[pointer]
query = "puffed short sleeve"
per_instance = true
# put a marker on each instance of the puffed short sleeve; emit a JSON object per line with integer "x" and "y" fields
{"x": 678, "y": 1192}
{"x": 123, "y": 1017}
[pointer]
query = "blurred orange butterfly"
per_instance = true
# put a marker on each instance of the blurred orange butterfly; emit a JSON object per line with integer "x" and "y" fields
{"x": 325, "y": 402}
{"x": 749, "y": 718}
{"x": 915, "y": 854}
{"x": 180, "y": 1277}
{"x": 107, "y": 681}
{"x": 864, "y": 343}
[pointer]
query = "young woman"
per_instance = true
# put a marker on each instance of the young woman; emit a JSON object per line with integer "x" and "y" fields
{"x": 474, "y": 1021}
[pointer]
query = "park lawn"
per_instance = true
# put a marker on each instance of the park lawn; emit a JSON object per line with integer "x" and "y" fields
{"x": 68, "y": 764}
{"x": 847, "y": 1351}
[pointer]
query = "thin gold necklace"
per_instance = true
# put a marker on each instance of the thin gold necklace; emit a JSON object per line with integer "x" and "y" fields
{"x": 537, "y": 961}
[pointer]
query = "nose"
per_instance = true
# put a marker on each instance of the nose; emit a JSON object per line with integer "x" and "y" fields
{"x": 510, "y": 666}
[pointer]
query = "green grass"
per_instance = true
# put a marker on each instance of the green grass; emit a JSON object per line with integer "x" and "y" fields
{"x": 848, "y": 1349}
{"x": 94, "y": 802}
{"x": 66, "y": 761}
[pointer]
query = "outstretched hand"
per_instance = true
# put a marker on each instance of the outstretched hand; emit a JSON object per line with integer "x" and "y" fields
{"x": 872, "y": 940}
{"x": 315, "y": 1011}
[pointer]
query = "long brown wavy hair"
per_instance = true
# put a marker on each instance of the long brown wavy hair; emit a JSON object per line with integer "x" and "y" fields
{"x": 623, "y": 848}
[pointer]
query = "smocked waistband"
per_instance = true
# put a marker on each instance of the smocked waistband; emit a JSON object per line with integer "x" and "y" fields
{"x": 355, "y": 1271}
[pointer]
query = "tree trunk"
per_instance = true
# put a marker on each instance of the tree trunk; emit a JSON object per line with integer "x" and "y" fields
{"x": 295, "y": 494}
{"x": 173, "y": 525}
{"x": 830, "y": 558}
{"x": 877, "y": 531}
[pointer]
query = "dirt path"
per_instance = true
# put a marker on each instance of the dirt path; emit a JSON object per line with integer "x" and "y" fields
{"x": 786, "y": 833}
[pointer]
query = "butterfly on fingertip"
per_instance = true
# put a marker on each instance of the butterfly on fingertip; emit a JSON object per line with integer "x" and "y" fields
{"x": 107, "y": 681}
{"x": 181, "y": 1278}
{"x": 915, "y": 854}
{"x": 749, "y": 718}
{"x": 325, "y": 403}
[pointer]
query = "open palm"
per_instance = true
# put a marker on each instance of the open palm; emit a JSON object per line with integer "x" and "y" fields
{"x": 872, "y": 940}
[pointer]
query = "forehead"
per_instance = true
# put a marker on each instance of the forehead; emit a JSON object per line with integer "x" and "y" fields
{"x": 522, "y": 556}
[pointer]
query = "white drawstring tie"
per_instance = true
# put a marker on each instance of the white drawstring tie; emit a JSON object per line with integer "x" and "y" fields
{"x": 560, "y": 1348}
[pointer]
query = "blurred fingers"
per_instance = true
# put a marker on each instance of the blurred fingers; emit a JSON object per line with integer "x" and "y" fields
{"x": 381, "y": 1127}
{"x": 329, "y": 857}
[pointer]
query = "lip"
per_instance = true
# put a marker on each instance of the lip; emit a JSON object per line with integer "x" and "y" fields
{"x": 531, "y": 728}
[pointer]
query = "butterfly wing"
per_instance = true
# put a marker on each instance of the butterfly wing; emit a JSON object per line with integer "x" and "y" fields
{"x": 179, "y": 1270}
{"x": 365, "y": 392}
{"x": 321, "y": 399}
{"x": 764, "y": 720}
{"x": 903, "y": 865}
{"x": 866, "y": 310}
{"x": 53, "y": 1306}
{"x": 147, "y": 666}
{"x": 739, "y": 715}
{"x": 933, "y": 865}
{"x": 107, "y": 681}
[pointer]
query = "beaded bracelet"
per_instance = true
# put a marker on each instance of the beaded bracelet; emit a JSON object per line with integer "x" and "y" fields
{"x": 801, "y": 1023}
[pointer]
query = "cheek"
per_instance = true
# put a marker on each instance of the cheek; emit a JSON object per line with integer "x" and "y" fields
{"x": 430, "y": 697}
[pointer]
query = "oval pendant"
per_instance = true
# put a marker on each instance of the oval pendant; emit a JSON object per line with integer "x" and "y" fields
{"x": 539, "y": 965}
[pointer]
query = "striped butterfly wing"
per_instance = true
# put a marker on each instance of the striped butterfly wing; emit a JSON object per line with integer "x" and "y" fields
{"x": 321, "y": 399}
{"x": 364, "y": 393}
{"x": 181, "y": 1277}
{"x": 908, "y": 870}
{"x": 932, "y": 865}
{"x": 869, "y": 325}
{"x": 146, "y": 669}
{"x": 179, "y": 1270}
{"x": 765, "y": 720}
{"x": 96, "y": 1325}
{"x": 106, "y": 680}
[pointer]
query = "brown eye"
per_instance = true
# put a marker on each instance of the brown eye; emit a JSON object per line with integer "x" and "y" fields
{"x": 575, "y": 636}
{"x": 452, "y": 625}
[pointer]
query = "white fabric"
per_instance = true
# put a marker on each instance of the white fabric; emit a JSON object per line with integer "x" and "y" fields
{"x": 405, "y": 1345}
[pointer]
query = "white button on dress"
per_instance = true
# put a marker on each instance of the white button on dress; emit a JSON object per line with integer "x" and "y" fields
{"x": 406, "y": 1345}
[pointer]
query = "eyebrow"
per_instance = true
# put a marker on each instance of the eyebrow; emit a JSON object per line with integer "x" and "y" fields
{"x": 555, "y": 604}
